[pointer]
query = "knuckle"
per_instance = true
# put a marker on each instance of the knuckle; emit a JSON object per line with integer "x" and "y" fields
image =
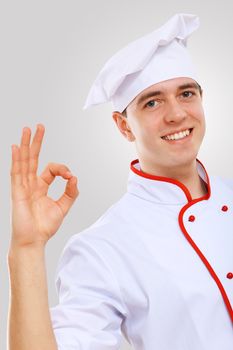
{"x": 57, "y": 166}
{"x": 51, "y": 168}
{"x": 64, "y": 167}
{"x": 76, "y": 193}
{"x": 50, "y": 165}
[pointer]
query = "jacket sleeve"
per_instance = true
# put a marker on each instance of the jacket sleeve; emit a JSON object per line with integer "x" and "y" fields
{"x": 90, "y": 309}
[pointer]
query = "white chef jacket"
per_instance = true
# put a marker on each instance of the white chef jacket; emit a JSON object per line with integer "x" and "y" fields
{"x": 157, "y": 267}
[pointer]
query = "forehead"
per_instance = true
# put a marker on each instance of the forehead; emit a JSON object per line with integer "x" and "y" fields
{"x": 167, "y": 86}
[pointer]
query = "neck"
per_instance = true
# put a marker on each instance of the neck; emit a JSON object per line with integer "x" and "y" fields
{"x": 187, "y": 175}
{"x": 195, "y": 185}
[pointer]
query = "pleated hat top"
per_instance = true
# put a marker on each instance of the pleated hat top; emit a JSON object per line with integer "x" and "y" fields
{"x": 156, "y": 57}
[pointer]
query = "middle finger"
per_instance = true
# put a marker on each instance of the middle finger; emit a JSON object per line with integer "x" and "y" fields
{"x": 24, "y": 151}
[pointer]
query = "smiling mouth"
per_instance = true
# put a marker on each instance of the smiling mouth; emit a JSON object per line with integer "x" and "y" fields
{"x": 178, "y": 136}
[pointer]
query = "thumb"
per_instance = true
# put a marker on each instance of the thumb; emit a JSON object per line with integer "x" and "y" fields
{"x": 70, "y": 194}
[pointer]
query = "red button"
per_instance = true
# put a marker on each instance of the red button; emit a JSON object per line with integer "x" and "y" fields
{"x": 230, "y": 275}
{"x": 224, "y": 208}
{"x": 192, "y": 218}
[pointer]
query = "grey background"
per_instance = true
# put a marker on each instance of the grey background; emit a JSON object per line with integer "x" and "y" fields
{"x": 51, "y": 52}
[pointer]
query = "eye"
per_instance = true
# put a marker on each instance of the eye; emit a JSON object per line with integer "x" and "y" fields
{"x": 188, "y": 93}
{"x": 151, "y": 104}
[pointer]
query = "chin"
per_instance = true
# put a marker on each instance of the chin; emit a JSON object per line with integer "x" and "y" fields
{"x": 182, "y": 159}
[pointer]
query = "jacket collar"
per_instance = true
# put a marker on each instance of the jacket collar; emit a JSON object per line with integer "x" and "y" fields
{"x": 162, "y": 190}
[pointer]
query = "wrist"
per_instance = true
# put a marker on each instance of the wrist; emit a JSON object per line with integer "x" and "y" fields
{"x": 32, "y": 249}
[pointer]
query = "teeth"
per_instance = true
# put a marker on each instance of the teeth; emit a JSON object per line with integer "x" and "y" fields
{"x": 177, "y": 136}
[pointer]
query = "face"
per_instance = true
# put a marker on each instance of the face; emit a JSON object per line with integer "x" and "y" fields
{"x": 166, "y": 122}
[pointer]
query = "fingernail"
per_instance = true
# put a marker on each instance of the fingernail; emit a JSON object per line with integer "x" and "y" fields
{"x": 40, "y": 126}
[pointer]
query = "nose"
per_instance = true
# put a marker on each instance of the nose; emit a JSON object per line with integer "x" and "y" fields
{"x": 175, "y": 112}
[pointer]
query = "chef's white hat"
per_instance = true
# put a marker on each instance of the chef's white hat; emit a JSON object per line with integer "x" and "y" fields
{"x": 158, "y": 56}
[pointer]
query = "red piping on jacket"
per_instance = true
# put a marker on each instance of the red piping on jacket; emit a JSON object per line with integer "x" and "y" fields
{"x": 183, "y": 229}
{"x": 160, "y": 178}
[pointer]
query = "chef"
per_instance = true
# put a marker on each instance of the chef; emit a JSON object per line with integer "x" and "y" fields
{"x": 157, "y": 267}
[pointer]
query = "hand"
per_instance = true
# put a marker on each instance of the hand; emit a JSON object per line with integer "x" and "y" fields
{"x": 35, "y": 216}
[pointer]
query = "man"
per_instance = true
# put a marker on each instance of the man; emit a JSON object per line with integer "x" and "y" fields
{"x": 158, "y": 265}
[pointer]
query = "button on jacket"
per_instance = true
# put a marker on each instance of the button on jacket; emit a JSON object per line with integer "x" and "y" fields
{"x": 157, "y": 267}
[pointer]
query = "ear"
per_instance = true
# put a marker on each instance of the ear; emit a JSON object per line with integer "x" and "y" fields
{"x": 123, "y": 125}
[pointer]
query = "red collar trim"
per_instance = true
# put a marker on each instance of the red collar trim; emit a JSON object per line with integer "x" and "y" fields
{"x": 173, "y": 181}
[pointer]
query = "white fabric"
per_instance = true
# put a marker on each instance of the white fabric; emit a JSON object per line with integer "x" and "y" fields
{"x": 134, "y": 272}
{"x": 158, "y": 56}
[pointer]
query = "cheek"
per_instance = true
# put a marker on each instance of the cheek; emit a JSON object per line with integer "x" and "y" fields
{"x": 149, "y": 134}
{"x": 202, "y": 122}
{"x": 140, "y": 128}
{"x": 198, "y": 112}
{"x": 145, "y": 127}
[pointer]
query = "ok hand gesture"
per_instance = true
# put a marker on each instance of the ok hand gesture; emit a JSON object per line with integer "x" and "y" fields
{"x": 35, "y": 216}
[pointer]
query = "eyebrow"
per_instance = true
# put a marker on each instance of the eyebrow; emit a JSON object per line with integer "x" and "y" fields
{"x": 157, "y": 93}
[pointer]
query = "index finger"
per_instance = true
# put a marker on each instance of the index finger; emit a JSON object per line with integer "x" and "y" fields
{"x": 35, "y": 149}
